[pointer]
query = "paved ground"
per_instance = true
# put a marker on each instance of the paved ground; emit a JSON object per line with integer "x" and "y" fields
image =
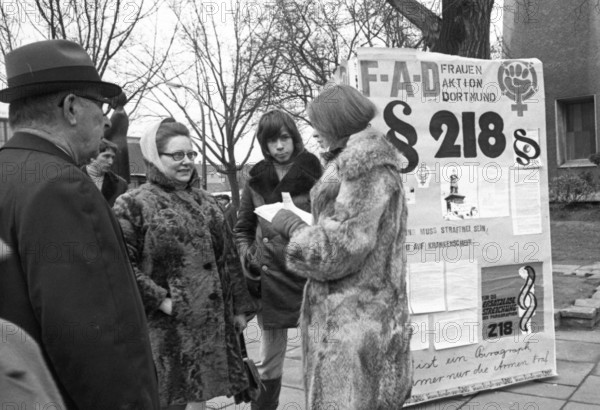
{"x": 577, "y": 386}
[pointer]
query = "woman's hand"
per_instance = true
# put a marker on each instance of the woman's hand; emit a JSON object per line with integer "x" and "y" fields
{"x": 285, "y": 223}
{"x": 240, "y": 323}
{"x": 167, "y": 306}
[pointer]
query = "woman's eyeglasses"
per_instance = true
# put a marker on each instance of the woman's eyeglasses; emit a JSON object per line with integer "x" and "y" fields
{"x": 179, "y": 155}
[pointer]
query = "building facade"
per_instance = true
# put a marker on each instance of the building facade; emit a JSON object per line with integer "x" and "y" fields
{"x": 565, "y": 36}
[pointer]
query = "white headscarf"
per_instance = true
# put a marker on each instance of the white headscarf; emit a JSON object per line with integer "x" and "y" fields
{"x": 148, "y": 146}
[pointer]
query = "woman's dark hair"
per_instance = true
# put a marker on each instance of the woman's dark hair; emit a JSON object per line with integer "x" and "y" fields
{"x": 340, "y": 111}
{"x": 168, "y": 129}
{"x": 270, "y": 125}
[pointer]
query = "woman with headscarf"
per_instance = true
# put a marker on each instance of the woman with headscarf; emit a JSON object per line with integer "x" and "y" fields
{"x": 188, "y": 274}
{"x": 287, "y": 167}
{"x": 354, "y": 335}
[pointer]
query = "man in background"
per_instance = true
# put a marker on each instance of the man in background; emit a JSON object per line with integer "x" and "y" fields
{"x": 99, "y": 169}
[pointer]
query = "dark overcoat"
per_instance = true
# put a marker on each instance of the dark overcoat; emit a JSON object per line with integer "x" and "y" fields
{"x": 68, "y": 282}
{"x": 354, "y": 335}
{"x": 178, "y": 244}
{"x": 262, "y": 249}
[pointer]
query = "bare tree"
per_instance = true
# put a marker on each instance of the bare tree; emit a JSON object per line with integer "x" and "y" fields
{"x": 9, "y": 31}
{"x": 228, "y": 79}
{"x": 463, "y": 28}
{"x": 105, "y": 28}
{"x": 315, "y": 36}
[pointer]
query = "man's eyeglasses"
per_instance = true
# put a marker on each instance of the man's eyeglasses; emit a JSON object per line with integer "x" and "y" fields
{"x": 179, "y": 155}
{"x": 105, "y": 104}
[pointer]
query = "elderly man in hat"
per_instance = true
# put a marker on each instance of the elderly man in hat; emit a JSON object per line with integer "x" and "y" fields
{"x": 67, "y": 280}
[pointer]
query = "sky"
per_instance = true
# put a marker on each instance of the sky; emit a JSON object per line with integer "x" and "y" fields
{"x": 165, "y": 20}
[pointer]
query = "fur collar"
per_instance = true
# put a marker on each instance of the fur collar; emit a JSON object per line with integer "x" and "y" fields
{"x": 155, "y": 176}
{"x": 366, "y": 150}
{"x": 304, "y": 172}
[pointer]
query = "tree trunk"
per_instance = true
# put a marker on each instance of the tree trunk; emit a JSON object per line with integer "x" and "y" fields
{"x": 235, "y": 188}
{"x": 463, "y": 30}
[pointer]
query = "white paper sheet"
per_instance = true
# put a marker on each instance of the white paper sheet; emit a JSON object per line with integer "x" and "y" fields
{"x": 457, "y": 328}
{"x": 427, "y": 287}
{"x": 462, "y": 285}
{"x": 526, "y": 201}
{"x": 268, "y": 211}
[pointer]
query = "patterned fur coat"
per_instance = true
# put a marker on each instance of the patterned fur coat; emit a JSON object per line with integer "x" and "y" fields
{"x": 355, "y": 342}
{"x": 178, "y": 244}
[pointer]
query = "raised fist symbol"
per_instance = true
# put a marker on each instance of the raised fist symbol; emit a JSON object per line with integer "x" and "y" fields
{"x": 518, "y": 79}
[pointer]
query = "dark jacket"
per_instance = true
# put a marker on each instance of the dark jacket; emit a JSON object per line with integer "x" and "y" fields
{"x": 68, "y": 282}
{"x": 262, "y": 250}
{"x": 180, "y": 248}
{"x": 112, "y": 187}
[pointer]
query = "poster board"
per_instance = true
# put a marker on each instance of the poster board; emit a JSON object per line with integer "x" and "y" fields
{"x": 479, "y": 269}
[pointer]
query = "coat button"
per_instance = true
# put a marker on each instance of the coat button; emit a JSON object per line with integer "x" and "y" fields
{"x": 207, "y": 266}
{"x": 265, "y": 268}
{"x": 266, "y": 240}
{"x": 213, "y": 296}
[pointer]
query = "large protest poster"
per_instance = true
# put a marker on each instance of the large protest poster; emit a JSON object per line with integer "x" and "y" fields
{"x": 479, "y": 270}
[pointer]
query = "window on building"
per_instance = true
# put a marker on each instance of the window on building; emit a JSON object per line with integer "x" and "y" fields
{"x": 5, "y": 133}
{"x": 576, "y": 129}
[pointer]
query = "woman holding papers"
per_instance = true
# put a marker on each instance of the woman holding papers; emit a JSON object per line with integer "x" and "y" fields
{"x": 287, "y": 168}
{"x": 188, "y": 274}
{"x": 354, "y": 315}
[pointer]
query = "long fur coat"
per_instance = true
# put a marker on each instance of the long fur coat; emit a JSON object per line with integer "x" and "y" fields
{"x": 178, "y": 245}
{"x": 354, "y": 313}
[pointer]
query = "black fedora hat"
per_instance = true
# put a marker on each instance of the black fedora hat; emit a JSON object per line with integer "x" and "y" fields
{"x": 50, "y": 66}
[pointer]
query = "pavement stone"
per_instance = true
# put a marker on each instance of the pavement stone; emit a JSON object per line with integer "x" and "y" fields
{"x": 580, "y": 406}
{"x": 579, "y": 312}
{"x": 569, "y": 373}
{"x": 577, "y": 351}
{"x": 595, "y": 303}
{"x": 292, "y": 376}
{"x": 579, "y": 335}
{"x": 553, "y": 391}
{"x": 294, "y": 352}
{"x": 565, "y": 269}
{"x": 501, "y": 400}
{"x": 291, "y": 399}
{"x": 588, "y": 391}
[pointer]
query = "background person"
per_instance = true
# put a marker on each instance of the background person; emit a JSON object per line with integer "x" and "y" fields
{"x": 320, "y": 141}
{"x": 353, "y": 259}
{"x": 188, "y": 273}
{"x": 287, "y": 167}
{"x": 99, "y": 169}
{"x": 224, "y": 200}
{"x": 67, "y": 281}
{"x": 25, "y": 381}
